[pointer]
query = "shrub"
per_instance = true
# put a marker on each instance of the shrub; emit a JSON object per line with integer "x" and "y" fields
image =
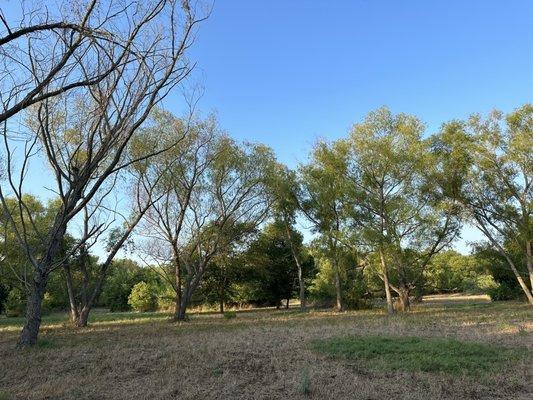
{"x": 142, "y": 297}
{"x": 15, "y": 303}
{"x": 504, "y": 292}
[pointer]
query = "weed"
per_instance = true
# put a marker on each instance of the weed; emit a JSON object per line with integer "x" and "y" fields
{"x": 305, "y": 383}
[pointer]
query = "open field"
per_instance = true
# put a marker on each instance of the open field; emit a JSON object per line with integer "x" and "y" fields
{"x": 279, "y": 354}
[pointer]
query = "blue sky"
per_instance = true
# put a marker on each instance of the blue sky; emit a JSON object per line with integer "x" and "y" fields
{"x": 286, "y": 73}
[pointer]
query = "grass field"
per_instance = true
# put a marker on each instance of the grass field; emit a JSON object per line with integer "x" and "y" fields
{"x": 447, "y": 348}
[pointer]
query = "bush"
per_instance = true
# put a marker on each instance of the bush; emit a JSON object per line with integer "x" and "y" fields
{"x": 504, "y": 292}
{"x": 15, "y": 303}
{"x": 142, "y": 297}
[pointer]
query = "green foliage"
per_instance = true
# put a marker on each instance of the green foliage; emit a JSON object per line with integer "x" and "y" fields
{"x": 451, "y": 271}
{"x": 3, "y": 297}
{"x": 272, "y": 269}
{"x": 123, "y": 275}
{"x": 142, "y": 297}
{"x": 504, "y": 292}
{"x": 418, "y": 354}
{"x": 15, "y": 303}
{"x": 353, "y": 284}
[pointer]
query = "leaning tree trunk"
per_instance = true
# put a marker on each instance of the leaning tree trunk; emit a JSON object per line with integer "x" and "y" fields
{"x": 301, "y": 282}
{"x": 74, "y": 315}
{"x": 30, "y": 331}
{"x": 390, "y": 306}
{"x": 529, "y": 258}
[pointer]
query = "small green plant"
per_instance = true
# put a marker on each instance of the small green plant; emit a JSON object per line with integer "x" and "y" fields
{"x": 45, "y": 344}
{"x": 305, "y": 383}
{"x": 142, "y": 297}
{"x": 230, "y": 314}
{"x": 4, "y": 396}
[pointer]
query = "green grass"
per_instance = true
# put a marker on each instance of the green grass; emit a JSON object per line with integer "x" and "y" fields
{"x": 417, "y": 354}
{"x": 95, "y": 317}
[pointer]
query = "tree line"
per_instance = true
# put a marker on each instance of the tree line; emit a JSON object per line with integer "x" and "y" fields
{"x": 205, "y": 213}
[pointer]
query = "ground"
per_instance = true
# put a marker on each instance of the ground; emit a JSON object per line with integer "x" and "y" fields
{"x": 269, "y": 354}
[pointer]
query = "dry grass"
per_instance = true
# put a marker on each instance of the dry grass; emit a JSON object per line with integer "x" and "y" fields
{"x": 260, "y": 355}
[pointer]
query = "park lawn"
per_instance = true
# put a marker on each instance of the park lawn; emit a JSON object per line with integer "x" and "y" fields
{"x": 279, "y": 355}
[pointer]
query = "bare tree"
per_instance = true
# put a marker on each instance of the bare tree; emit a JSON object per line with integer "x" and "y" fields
{"x": 82, "y": 300}
{"x": 83, "y": 125}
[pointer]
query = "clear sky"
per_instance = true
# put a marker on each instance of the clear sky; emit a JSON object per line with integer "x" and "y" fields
{"x": 288, "y": 72}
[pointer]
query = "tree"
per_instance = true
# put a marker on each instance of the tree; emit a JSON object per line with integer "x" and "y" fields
{"x": 226, "y": 268}
{"x": 210, "y": 187}
{"x": 274, "y": 268}
{"x": 489, "y": 165}
{"x": 324, "y": 201}
{"x": 285, "y": 191}
{"x": 402, "y": 214}
{"x": 84, "y": 128}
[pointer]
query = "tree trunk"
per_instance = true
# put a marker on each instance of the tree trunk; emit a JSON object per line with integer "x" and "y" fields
{"x": 287, "y": 304}
{"x": 74, "y": 315}
{"x": 390, "y": 306}
{"x": 527, "y": 291}
{"x": 178, "y": 315}
{"x": 301, "y": 282}
{"x": 337, "y": 285}
{"x": 30, "y": 331}
{"x": 529, "y": 258}
{"x": 403, "y": 299}
{"x": 83, "y": 317}
{"x": 221, "y": 305}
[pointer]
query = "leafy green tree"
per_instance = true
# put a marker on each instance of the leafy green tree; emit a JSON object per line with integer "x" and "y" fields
{"x": 324, "y": 201}
{"x": 285, "y": 191}
{"x": 142, "y": 297}
{"x": 450, "y": 271}
{"x": 322, "y": 286}
{"x": 123, "y": 275}
{"x": 401, "y": 213}
{"x": 274, "y": 269}
{"x": 15, "y": 303}
{"x": 210, "y": 186}
{"x": 488, "y": 168}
